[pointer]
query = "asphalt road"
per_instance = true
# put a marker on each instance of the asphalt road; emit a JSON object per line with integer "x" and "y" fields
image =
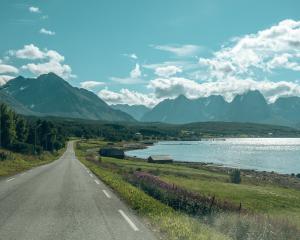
{"x": 61, "y": 201}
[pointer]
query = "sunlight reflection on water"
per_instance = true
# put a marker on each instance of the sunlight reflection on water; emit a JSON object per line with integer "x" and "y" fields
{"x": 264, "y": 154}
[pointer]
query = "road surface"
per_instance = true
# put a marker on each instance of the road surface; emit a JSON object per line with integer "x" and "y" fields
{"x": 63, "y": 200}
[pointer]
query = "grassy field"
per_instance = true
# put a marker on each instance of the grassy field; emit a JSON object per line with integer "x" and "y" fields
{"x": 20, "y": 162}
{"x": 272, "y": 210}
{"x": 171, "y": 224}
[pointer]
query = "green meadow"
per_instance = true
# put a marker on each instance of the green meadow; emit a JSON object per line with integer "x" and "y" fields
{"x": 270, "y": 210}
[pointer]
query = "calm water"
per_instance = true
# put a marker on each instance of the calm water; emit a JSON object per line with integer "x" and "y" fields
{"x": 265, "y": 154}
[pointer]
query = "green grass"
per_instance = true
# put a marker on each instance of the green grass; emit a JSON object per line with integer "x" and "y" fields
{"x": 171, "y": 224}
{"x": 271, "y": 207}
{"x": 22, "y": 162}
{"x": 270, "y": 199}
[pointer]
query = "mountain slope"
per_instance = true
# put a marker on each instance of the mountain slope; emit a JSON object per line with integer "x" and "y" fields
{"x": 248, "y": 107}
{"x": 14, "y": 104}
{"x": 136, "y": 111}
{"x": 184, "y": 110}
{"x": 52, "y": 96}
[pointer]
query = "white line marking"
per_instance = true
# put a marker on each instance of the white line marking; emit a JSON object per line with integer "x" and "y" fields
{"x": 91, "y": 175}
{"x": 106, "y": 193}
{"x": 10, "y": 179}
{"x": 96, "y": 181}
{"x": 132, "y": 225}
{"x": 23, "y": 174}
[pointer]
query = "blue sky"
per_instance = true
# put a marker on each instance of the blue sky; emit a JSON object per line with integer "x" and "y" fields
{"x": 141, "y": 52}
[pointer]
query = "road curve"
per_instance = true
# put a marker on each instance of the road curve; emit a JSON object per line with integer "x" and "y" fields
{"x": 63, "y": 200}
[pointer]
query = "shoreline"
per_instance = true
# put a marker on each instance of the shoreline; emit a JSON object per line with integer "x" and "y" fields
{"x": 283, "y": 179}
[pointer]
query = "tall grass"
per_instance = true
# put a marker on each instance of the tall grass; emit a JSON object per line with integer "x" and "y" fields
{"x": 178, "y": 197}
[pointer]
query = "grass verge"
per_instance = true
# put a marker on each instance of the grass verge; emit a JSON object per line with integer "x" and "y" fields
{"x": 21, "y": 162}
{"x": 272, "y": 210}
{"x": 171, "y": 224}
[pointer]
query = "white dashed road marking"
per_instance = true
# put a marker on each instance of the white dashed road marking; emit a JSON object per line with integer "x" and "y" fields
{"x": 106, "y": 193}
{"x": 10, "y": 179}
{"x": 96, "y": 181}
{"x": 132, "y": 225}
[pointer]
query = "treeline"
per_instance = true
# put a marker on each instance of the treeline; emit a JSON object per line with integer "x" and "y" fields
{"x": 30, "y": 137}
{"x": 113, "y": 131}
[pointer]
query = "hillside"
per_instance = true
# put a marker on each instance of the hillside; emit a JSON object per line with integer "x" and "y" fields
{"x": 50, "y": 95}
{"x": 136, "y": 111}
{"x": 248, "y": 107}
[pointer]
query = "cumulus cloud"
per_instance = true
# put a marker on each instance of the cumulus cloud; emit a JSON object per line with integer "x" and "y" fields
{"x": 91, "y": 84}
{"x": 33, "y": 9}
{"x": 126, "y": 96}
{"x": 52, "y": 61}
{"x": 28, "y": 52}
{"x": 172, "y": 87}
{"x": 269, "y": 49}
{"x": 47, "y": 32}
{"x": 167, "y": 71}
{"x": 4, "y": 68}
{"x": 62, "y": 70}
{"x": 179, "y": 50}
{"x": 134, "y": 76}
{"x": 136, "y": 72}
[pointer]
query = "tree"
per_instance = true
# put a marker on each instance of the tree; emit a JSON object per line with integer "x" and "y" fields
{"x": 21, "y": 129}
{"x": 8, "y": 127}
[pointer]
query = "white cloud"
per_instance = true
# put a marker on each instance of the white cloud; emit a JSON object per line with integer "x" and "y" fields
{"x": 47, "y": 32}
{"x": 126, "y": 96}
{"x": 52, "y": 61}
{"x": 167, "y": 71}
{"x": 53, "y": 55}
{"x": 269, "y": 49}
{"x": 179, "y": 50}
{"x": 91, "y": 84}
{"x": 28, "y": 52}
{"x": 131, "y": 55}
{"x": 4, "y": 68}
{"x": 34, "y": 9}
{"x": 62, "y": 70}
{"x": 134, "y": 78}
{"x": 136, "y": 72}
{"x": 172, "y": 87}
{"x": 4, "y": 79}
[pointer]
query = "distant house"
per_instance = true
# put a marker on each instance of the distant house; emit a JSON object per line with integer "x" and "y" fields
{"x": 112, "y": 152}
{"x": 160, "y": 159}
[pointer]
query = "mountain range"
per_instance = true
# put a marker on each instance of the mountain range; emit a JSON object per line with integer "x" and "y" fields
{"x": 248, "y": 107}
{"x": 50, "y": 95}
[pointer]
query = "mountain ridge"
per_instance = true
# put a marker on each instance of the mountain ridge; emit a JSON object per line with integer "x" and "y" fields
{"x": 248, "y": 107}
{"x": 50, "y": 95}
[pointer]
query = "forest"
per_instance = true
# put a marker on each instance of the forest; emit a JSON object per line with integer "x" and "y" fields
{"x": 30, "y": 137}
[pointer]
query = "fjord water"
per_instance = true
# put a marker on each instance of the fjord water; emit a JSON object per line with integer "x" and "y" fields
{"x": 280, "y": 155}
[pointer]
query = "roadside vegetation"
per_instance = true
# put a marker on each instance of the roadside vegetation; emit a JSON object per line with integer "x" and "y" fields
{"x": 16, "y": 162}
{"x": 25, "y": 144}
{"x": 182, "y": 201}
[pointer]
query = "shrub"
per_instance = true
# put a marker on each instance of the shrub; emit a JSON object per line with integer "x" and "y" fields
{"x": 235, "y": 176}
{"x": 4, "y": 156}
{"x": 21, "y": 147}
{"x": 177, "y": 197}
{"x": 298, "y": 175}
